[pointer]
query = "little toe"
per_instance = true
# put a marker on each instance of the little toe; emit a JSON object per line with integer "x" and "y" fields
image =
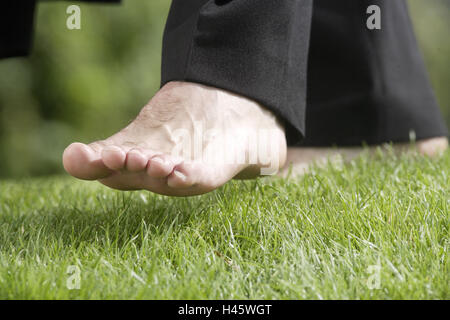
{"x": 114, "y": 157}
{"x": 181, "y": 178}
{"x": 160, "y": 166}
{"x": 82, "y": 162}
{"x": 136, "y": 160}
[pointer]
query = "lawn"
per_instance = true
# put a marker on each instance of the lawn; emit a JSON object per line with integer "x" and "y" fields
{"x": 373, "y": 228}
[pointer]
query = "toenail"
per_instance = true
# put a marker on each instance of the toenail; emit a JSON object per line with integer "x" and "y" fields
{"x": 158, "y": 160}
{"x": 136, "y": 152}
{"x": 112, "y": 149}
{"x": 180, "y": 175}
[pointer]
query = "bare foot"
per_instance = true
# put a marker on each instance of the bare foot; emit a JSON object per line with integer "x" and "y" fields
{"x": 188, "y": 140}
{"x": 300, "y": 159}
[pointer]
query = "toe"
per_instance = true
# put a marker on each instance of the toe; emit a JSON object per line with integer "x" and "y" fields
{"x": 114, "y": 157}
{"x": 136, "y": 160}
{"x": 178, "y": 179}
{"x": 198, "y": 177}
{"x": 185, "y": 175}
{"x": 160, "y": 166}
{"x": 82, "y": 162}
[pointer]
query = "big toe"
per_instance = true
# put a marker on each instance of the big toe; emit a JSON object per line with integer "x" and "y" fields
{"x": 82, "y": 162}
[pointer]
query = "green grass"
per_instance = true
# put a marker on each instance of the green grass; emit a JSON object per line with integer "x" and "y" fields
{"x": 306, "y": 238}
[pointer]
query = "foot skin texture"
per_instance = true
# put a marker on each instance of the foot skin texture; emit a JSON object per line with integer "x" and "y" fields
{"x": 299, "y": 159}
{"x": 188, "y": 140}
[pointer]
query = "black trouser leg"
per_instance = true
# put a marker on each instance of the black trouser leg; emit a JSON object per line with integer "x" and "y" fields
{"x": 367, "y": 85}
{"x": 16, "y": 25}
{"x": 257, "y": 48}
{"x": 363, "y": 85}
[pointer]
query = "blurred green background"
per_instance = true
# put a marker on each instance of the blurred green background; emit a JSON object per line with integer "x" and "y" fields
{"x": 83, "y": 85}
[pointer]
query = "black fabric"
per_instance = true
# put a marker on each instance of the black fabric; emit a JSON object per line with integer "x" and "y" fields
{"x": 16, "y": 26}
{"x": 363, "y": 85}
{"x": 257, "y": 48}
{"x": 312, "y": 62}
{"x": 366, "y": 85}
